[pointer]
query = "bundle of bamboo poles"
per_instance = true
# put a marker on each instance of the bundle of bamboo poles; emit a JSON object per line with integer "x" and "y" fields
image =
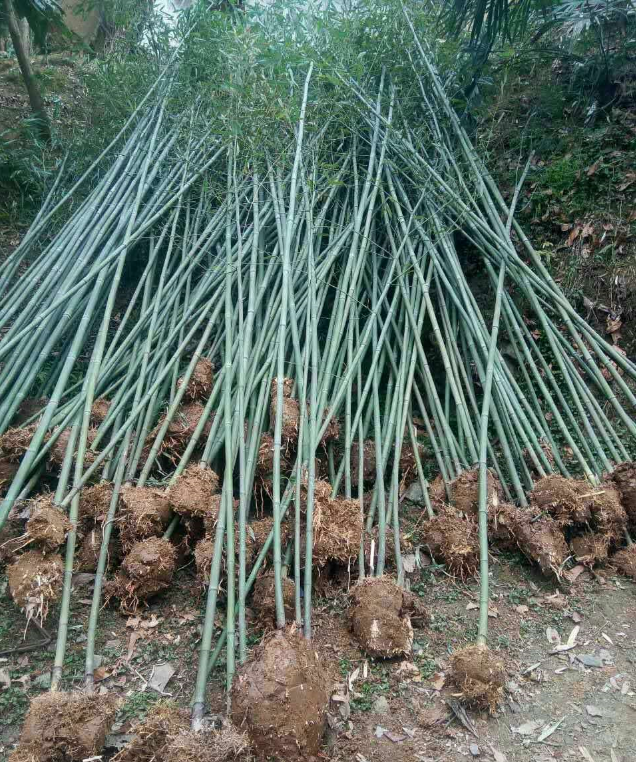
{"x": 297, "y": 337}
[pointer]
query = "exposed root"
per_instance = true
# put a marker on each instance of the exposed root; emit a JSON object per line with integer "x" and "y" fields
{"x": 480, "y": 676}
{"x": 151, "y": 736}
{"x": 280, "y": 697}
{"x": 145, "y": 512}
{"x": 201, "y": 381}
{"x": 48, "y": 524}
{"x": 68, "y": 726}
{"x": 222, "y": 745}
{"x": 501, "y": 522}
{"x": 437, "y": 492}
{"x": 379, "y": 618}
{"x": 264, "y": 601}
{"x": 35, "y": 581}
{"x": 192, "y": 492}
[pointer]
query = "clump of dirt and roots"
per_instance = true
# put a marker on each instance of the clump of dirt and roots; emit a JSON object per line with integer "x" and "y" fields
{"x": 57, "y": 453}
{"x": 181, "y": 430}
{"x": 14, "y": 443}
{"x": 65, "y": 727}
{"x": 337, "y": 529}
{"x": 201, "y": 381}
{"x": 35, "y": 581}
{"x": 290, "y": 413}
{"x": 145, "y": 571}
{"x": 95, "y": 502}
{"x": 48, "y": 525}
{"x": 99, "y": 410}
{"x": 264, "y": 601}
{"x": 280, "y": 698}
{"x": 192, "y": 492}
{"x": 368, "y": 462}
{"x": 480, "y": 675}
{"x": 562, "y": 499}
{"x": 625, "y": 561}
{"x": 165, "y": 736}
{"x": 454, "y": 541}
{"x": 465, "y": 491}
{"x": 379, "y": 618}
{"x": 624, "y": 476}
{"x": 144, "y": 513}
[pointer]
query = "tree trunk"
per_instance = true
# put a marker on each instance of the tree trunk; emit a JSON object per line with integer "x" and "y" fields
{"x": 35, "y": 99}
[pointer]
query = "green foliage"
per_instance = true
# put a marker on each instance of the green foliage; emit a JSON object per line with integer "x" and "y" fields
{"x": 13, "y": 704}
{"x": 137, "y": 706}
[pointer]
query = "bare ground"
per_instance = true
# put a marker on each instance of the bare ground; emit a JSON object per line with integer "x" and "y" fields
{"x": 393, "y": 710}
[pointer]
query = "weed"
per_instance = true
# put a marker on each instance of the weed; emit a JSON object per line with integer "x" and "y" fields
{"x": 137, "y": 706}
{"x": 13, "y": 705}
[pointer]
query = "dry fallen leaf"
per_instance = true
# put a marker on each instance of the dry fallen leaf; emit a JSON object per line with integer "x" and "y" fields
{"x": 522, "y": 609}
{"x": 552, "y": 635}
{"x": 438, "y": 680}
{"x": 586, "y": 754}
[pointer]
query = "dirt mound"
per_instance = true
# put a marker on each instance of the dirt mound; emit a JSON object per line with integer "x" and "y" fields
{"x": 192, "y": 492}
{"x": 453, "y": 541}
{"x": 145, "y": 571}
{"x": 280, "y": 697}
{"x": 201, "y": 381}
{"x": 290, "y": 413}
{"x": 368, "y": 462}
{"x": 337, "y": 530}
{"x": 264, "y": 602}
{"x": 95, "y": 502}
{"x": 480, "y": 676}
{"x": 35, "y": 580}
{"x": 625, "y": 561}
{"x": 379, "y": 619}
{"x": 48, "y": 524}
{"x": 68, "y": 727}
{"x": 57, "y": 453}
{"x": 29, "y": 407}
{"x": 465, "y": 491}
{"x": 151, "y": 736}
{"x": 561, "y": 498}
{"x": 14, "y": 443}
{"x": 99, "y": 411}
{"x": 608, "y": 515}
{"x": 624, "y": 477}
{"x": 590, "y": 549}
{"x": 145, "y": 512}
